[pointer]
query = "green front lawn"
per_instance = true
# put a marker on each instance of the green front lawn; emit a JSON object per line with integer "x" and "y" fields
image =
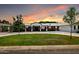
{"x": 37, "y": 39}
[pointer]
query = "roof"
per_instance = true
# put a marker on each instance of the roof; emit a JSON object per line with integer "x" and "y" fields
{"x": 48, "y": 24}
{"x": 77, "y": 23}
{"x": 4, "y": 24}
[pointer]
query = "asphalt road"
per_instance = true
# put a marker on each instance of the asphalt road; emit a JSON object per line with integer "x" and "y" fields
{"x": 53, "y": 49}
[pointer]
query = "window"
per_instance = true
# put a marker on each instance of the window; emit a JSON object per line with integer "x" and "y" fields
{"x": 74, "y": 27}
{"x": 78, "y": 26}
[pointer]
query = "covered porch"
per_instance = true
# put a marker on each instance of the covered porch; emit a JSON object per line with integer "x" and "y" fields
{"x": 43, "y": 28}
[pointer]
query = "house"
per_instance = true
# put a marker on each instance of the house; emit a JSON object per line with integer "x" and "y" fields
{"x": 52, "y": 26}
{"x": 44, "y": 26}
{"x": 4, "y": 27}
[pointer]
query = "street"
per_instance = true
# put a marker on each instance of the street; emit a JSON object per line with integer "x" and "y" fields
{"x": 51, "y": 49}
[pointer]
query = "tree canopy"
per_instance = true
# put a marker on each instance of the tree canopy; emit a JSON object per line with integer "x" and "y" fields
{"x": 70, "y": 16}
{"x": 18, "y": 25}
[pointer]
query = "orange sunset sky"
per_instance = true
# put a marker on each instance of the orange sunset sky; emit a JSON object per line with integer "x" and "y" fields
{"x": 35, "y": 12}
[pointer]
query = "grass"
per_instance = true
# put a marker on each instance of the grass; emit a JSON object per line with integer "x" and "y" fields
{"x": 37, "y": 39}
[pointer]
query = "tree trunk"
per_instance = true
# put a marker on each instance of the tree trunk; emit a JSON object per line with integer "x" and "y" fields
{"x": 18, "y": 30}
{"x": 71, "y": 31}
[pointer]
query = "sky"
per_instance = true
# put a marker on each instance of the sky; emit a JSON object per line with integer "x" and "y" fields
{"x": 35, "y": 12}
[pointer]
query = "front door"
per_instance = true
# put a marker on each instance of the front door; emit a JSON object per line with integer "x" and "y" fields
{"x": 36, "y": 28}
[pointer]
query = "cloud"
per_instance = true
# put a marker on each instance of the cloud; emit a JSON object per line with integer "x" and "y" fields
{"x": 42, "y": 13}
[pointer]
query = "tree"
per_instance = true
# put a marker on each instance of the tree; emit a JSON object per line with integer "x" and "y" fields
{"x": 70, "y": 18}
{"x": 18, "y": 25}
{"x": 0, "y": 21}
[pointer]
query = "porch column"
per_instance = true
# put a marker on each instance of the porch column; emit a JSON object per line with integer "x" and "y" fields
{"x": 46, "y": 28}
{"x": 8, "y": 28}
{"x": 55, "y": 28}
{"x": 31, "y": 28}
{"x": 40, "y": 28}
{"x": 25, "y": 29}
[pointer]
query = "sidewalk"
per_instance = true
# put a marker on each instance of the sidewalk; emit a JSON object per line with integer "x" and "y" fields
{"x": 51, "y": 49}
{"x": 52, "y": 32}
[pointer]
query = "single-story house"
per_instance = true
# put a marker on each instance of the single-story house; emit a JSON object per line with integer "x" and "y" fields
{"x": 4, "y": 27}
{"x": 44, "y": 26}
{"x": 52, "y": 26}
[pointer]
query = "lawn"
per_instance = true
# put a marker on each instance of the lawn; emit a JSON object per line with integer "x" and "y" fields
{"x": 37, "y": 39}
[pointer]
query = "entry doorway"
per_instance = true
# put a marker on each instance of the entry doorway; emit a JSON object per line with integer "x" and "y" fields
{"x": 36, "y": 28}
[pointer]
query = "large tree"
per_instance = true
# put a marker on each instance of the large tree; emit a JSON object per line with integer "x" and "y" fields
{"x": 18, "y": 25}
{"x": 70, "y": 18}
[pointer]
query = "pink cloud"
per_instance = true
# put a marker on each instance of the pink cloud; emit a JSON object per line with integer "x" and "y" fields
{"x": 44, "y": 12}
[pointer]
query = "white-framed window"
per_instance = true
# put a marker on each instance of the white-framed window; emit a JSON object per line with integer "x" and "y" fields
{"x": 74, "y": 27}
{"x": 78, "y": 26}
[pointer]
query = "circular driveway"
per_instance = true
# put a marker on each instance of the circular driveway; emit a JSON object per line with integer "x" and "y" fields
{"x": 52, "y": 32}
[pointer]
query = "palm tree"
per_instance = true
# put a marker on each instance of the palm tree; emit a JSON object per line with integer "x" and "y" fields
{"x": 70, "y": 18}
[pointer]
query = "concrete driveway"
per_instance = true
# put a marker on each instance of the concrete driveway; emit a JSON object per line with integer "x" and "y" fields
{"x": 52, "y": 32}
